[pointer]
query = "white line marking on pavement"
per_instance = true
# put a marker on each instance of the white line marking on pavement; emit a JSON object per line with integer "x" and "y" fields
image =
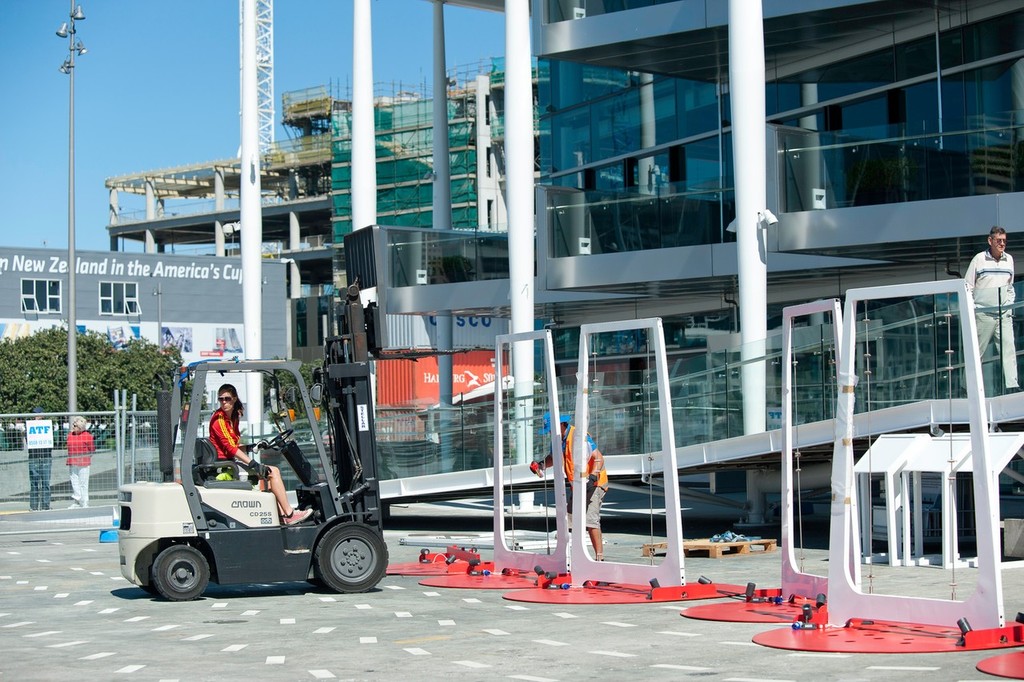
{"x": 431, "y": 594}
{"x": 563, "y": 614}
{"x": 275, "y": 660}
{"x": 135, "y": 619}
{"x": 98, "y": 656}
{"x": 471, "y": 664}
{"x": 18, "y": 625}
{"x": 531, "y": 678}
{"x": 363, "y": 607}
{"x": 250, "y": 612}
{"x": 66, "y": 644}
{"x": 196, "y": 638}
{"x": 164, "y": 628}
{"x": 96, "y": 573}
{"x": 219, "y": 605}
{"x": 130, "y": 669}
{"x": 678, "y": 634}
{"x": 446, "y": 622}
{"x": 40, "y": 588}
{"x": 322, "y": 674}
{"x": 323, "y": 631}
{"x": 403, "y": 614}
{"x": 740, "y": 643}
{"x": 44, "y": 561}
{"x": 44, "y": 634}
{"x": 551, "y": 642}
{"x": 61, "y": 595}
{"x": 495, "y": 631}
{"x": 234, "y": 647}
{"x": 903, "y": 667}
{"x": 517, "y": 607}
{"x": 416, "y": 651}
{"x": 616, "y": 654}
{"x": 688, "y": 668}
{"x": 327, "y": 599}
{"x": 394, "y": 587}
{"x": 287, "y": 621}
{"x": 615, "y": 624}
{"x": 367, "y": 640}
{"x": 110, "y": 610}
{"x": 472, "y": 600}
{"x": 85, "y": 602}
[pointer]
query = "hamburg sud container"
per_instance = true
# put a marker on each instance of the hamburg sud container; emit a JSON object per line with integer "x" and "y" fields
{"x": 415, "y": 382}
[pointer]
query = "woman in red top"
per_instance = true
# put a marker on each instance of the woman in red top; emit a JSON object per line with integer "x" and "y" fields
{"x": 226, "y": 440}
{"x": 80, "y": 447}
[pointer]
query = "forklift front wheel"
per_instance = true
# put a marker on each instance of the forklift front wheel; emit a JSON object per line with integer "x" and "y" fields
{"x": 351, "y": 557}
{"x": 180, "y": 573}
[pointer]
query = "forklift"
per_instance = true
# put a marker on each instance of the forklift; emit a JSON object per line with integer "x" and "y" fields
{"x": 210, "y": 521}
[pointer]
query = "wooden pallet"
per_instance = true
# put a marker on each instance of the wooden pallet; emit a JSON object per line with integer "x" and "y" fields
{"x": 715, "y": 550}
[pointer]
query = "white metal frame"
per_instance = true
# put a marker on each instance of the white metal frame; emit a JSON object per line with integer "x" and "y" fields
{"x": 668, "y": 573}
{"x": 795, "y": 581}
{"x": 504, "y": 555}
{"x": 984, "y": 608}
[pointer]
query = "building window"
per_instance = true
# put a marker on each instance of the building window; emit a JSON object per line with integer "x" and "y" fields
{"x": 40, "y": 296}
{"x": 119, "y": 298}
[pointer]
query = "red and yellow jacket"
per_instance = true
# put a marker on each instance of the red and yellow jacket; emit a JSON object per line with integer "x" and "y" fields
{"x": 567, "y": 445}
{"x": 224, "y": 434}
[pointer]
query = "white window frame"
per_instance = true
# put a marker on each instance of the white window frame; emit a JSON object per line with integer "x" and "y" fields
{"x": 53, "y": 301}
{"x": 129, "y": 302}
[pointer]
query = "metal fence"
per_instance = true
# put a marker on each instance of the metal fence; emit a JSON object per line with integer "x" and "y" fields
{"x": 126, "y": 451}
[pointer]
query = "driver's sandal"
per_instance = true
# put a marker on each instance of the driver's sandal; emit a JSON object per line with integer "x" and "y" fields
{"x": 297, "y": 516}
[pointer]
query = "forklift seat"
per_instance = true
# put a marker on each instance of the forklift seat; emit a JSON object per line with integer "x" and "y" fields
{"x": 207, "y": 467}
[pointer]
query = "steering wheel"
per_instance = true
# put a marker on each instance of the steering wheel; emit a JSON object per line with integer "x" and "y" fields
{"x": 278, "y": 441}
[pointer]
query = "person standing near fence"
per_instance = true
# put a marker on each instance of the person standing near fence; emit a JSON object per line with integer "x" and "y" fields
{"x": 80, "y": 449}
{"x": 989, "y": 278}
{"x": 39, "y": 443}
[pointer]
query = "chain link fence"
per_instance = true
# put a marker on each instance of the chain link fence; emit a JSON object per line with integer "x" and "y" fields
{"x": 126, "y": 451}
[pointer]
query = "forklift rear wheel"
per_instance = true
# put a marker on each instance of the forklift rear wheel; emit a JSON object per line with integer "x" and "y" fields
{"x": 181, "y": 573}
{"x": 351, "y": 557}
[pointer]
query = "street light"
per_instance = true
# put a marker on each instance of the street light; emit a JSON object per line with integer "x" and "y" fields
{"x": 75, "y": 48}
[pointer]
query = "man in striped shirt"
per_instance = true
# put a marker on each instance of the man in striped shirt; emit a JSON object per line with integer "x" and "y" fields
{"x": 990, "y": 280}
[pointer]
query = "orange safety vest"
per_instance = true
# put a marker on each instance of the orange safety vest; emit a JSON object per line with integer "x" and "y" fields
{"x": 567, "y": 443}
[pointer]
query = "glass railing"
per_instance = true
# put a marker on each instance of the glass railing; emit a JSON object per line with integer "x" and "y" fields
{"x": 592, "y": 222}
{"x": 887, "y": 165}
{"x": 907, "y": 351}
{"x": 424, "y": 256}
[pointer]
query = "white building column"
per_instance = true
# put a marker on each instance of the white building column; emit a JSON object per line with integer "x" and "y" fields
{"x": 364, "y": 142}
{"x": 218, "y": 205}
{"x": 442, "y": 205}
{"x": 746, "y": 91}
{"x": 294, "y": 244}
{"x": 112, "y": 208}
{"x": 149, "y": 242}
{"x": 519, "y": 197}
{"x": 646, "y": 180}
{"x": 251, "y": 216}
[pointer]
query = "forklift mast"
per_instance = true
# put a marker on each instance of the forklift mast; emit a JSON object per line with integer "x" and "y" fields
{"x": 346, "y": 377}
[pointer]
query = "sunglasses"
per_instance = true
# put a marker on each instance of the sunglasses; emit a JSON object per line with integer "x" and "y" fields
{"x": 226, "y": 399}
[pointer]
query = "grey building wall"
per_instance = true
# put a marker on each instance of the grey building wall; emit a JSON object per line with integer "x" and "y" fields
{"x": 194, "y": 302}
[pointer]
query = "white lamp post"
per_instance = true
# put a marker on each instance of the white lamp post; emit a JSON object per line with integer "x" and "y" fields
{"x": 75, "y": 48}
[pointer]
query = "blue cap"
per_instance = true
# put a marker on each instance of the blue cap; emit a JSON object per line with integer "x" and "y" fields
{"x": 564, "y": 418}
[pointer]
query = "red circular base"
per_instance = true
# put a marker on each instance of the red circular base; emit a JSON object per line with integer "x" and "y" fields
{"x": 745, "y": 612}
{"x": 494, "y": 581}
{"x": 428, "y": 568}
{"x": 616, "y": 593}
{"x": 878, "y": 637}
{"x": 1004, "y": 665}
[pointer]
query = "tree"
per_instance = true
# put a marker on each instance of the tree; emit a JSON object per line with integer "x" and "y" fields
{"x": 35, "y": 371}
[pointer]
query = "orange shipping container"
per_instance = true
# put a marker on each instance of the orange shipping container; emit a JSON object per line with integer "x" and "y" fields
{"x": 414, "y": 383}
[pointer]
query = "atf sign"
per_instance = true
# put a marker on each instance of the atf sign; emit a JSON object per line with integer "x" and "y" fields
{"x": 39, "y": 434}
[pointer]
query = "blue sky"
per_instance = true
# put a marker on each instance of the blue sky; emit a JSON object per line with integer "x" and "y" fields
{"x": 159, "y": 87}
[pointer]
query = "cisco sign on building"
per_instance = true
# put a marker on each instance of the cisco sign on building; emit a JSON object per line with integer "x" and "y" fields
{"x": 192, "y": 302}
